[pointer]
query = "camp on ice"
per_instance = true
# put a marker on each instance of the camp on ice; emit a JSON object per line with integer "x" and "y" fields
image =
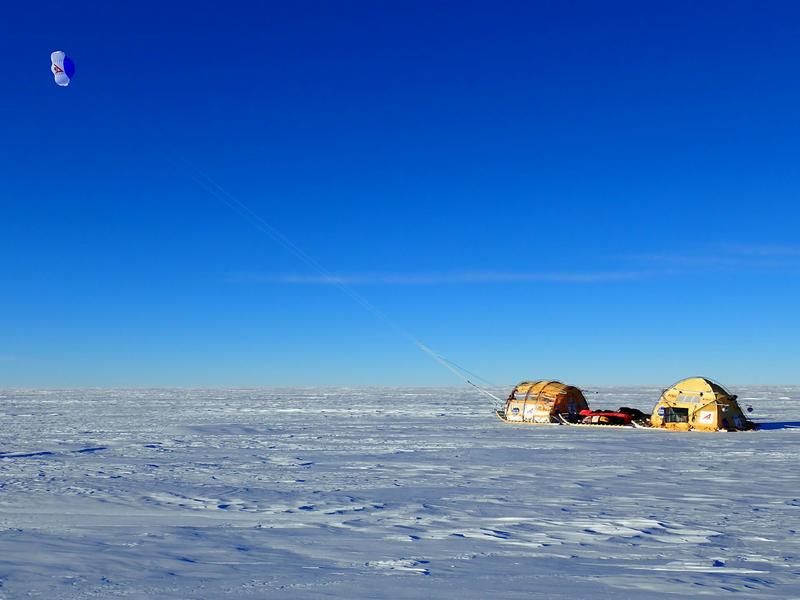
{"x": 692, "y": 404}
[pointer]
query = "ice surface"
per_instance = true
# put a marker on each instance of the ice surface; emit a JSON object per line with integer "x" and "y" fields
{"x": 386, "y": 493}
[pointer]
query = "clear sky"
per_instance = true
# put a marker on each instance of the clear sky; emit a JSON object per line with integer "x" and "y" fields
{"x": 602, "y": 192}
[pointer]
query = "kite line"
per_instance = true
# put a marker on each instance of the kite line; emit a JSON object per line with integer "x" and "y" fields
{"x": 220, "y": 193}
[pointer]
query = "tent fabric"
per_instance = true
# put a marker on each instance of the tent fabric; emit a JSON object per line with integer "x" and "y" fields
{"x": 541, "y": 402}
{"x": 698, "y": 403}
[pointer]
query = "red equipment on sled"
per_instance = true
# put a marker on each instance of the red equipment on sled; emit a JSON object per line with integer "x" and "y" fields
{"x": 605, "y": 417}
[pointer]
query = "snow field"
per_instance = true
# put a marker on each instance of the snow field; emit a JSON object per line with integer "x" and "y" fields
{"x": 386, "y": 493}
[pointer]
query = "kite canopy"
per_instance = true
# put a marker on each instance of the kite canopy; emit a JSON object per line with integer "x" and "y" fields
{"x": 542, "y": 401}
{"x": 62, "y": 67}
{"x": 701, "y": 404}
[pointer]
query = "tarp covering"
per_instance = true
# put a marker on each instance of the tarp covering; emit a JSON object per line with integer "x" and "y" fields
{"x": 541, "y": 401}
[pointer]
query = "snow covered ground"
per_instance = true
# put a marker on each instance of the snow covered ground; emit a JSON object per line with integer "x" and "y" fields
{"x": 386, "y": 493}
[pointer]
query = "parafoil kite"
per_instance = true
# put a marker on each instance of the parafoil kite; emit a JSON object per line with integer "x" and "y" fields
{"x": 62, "y": 67}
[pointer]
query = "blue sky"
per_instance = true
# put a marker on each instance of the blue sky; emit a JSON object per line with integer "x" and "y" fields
{"x": 597, "y": 192}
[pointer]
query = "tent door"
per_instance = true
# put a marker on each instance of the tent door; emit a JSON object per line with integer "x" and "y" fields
{"x": 676, "y": 415}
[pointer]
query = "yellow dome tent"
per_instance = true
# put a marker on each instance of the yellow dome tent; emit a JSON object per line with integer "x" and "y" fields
{"x": 541, "y": 402}
{"x": 700, "y": 404}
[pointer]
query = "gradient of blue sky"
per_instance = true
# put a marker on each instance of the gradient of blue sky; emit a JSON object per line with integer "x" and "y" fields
{"x": 604, "y": 192}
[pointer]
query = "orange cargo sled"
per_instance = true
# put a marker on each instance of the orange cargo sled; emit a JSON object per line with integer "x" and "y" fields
{"x": 540, "y": 402}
